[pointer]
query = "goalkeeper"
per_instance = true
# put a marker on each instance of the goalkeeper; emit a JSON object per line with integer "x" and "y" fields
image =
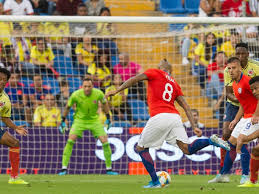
{"x": 86, "y": 118}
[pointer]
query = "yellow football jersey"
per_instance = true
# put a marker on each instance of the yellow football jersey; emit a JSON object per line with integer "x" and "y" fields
{"x": 47, "y": 118}
{"x": 5, "y": 105}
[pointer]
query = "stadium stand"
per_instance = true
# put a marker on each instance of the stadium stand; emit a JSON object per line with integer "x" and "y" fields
{"x": 168, "y": 6}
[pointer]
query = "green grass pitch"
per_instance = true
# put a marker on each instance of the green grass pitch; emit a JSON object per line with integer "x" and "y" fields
{"x": 123, "y": 184}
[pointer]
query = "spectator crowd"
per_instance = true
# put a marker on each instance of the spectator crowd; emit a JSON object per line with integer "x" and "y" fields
{"x": 48, "y": 65}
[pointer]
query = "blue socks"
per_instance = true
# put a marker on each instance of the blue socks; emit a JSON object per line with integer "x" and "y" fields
{"x": 245, "y": 160}
{"x": 197, "y": 145}
{"x": 229, "y": 159}
{"x": 231, "y": 156}
{"x": 149, "y": 164}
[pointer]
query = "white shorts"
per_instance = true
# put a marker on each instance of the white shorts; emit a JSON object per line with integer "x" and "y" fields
{"x": 245, "y": 127}
{"x": 161, "y": 127}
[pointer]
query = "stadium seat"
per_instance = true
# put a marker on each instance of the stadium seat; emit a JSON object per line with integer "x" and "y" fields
{"x": 70, "y": 117}
{"x": 123, "y": 124}
{"x": 20, "y": 122}
{"x": 74, "y": 83}
{"x": 192, "y": 6}
{"x": 64, "y": 66}
{"x": 53, "y": 83}
{"x": 177, "y": 27}
{"x": 139, "y": 109}
{"x": 171, "y": 6}
{"x": 140, "y": 124}
{"x": 26, "y": 81}
{"x": 2, "y": 124}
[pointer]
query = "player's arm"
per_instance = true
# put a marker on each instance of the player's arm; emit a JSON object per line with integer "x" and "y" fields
{"x": 252, "y": 136}
{"x": 230, "y": 95}
{"x": 65, "y": 113}
{"x": 19, "y": 129}
{"x": 237, "y": 118}
{"x": 106, "y": 108}
{"x": 128, "y": 83}
{"x": 181, "y": 101}
{"x": 255, "y": 118}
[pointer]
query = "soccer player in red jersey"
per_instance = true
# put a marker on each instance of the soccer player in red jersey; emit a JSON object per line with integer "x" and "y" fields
{"x": 165, "y": 122}
{"x": 242, "y": 138}
{"x": 5, "y": 137}
{"x": 242, "y": 122}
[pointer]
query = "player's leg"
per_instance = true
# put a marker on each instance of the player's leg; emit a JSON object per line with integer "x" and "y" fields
{"x": 201, "y": 143}
{"x": 14, "y": 156}
{"x": 153, "y": 135}
{"x": 75, "y": 132}
{"x": 245, "y": 156}
{"x": 230, "y": 155}
{"x": 226, "y": 135}
{"x": 67, "y": 153}
{"x": 107, "y": 152}
{"x": 98, "y": 132}
{"x": 254, "y": 168}
{"x": 230, "y": 113}
{"x": 149, "y": 165}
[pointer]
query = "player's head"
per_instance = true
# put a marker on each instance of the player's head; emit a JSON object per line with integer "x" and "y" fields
{"x": 234, "y": 68}
{"x": 164, "y": 65}
{"x": 49, "y": 100}
{"x": 4, "y": 77}
{"x": 195, "y": 115}
{"x": 242, "y": 53}
{"x": 254, "y": 85}
{"x": 117, "y": 79}
{"x": 87, "y": 86}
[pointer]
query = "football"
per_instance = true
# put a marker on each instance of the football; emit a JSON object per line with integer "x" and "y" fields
{"x": 164, "y": 178}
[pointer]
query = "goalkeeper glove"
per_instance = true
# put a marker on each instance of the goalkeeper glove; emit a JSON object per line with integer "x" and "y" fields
{"x": 63, "y": 126}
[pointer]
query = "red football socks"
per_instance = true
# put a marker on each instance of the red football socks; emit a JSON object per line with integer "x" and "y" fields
{"x": 254, "y": 167}
{"x": 14, "y": 157}
{"x": 222, "y": 157}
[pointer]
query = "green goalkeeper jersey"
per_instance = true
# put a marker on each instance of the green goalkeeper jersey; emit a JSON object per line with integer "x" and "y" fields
{"x": 86, "y": 106}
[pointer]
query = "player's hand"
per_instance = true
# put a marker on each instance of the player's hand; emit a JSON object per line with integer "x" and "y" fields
{"x": 110, "y": 93}
{"x": 255, "y": 119}
{"x": 21, "y": 130}
{"x": 108, "y": 124}
{"x": 62, "y": 127}
{"x": 197, "y": 132}
{"x": 233, "y": 124}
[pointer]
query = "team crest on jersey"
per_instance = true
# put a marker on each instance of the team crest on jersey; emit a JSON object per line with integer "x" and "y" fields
{"x": 2, "y": 104}
{"x": 239, "y": 90}
{"x": 250, "y": 72}
{"x": 94, "y": 101}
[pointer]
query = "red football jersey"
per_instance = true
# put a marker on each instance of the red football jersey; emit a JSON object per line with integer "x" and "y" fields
{"x": 162, "y": 92}
{"x": 245, "y": 96}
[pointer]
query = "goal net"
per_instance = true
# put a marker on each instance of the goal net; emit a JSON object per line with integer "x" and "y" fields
{"x": 53, "y": 54}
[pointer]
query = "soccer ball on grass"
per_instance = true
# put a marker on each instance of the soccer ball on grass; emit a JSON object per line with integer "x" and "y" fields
{"x": 164, "y": 178}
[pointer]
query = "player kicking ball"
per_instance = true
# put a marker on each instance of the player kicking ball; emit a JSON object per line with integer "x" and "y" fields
{"x": 5, "y": 137}
{"x": 165, "y": 122}
{"x": 86, "y": 117}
